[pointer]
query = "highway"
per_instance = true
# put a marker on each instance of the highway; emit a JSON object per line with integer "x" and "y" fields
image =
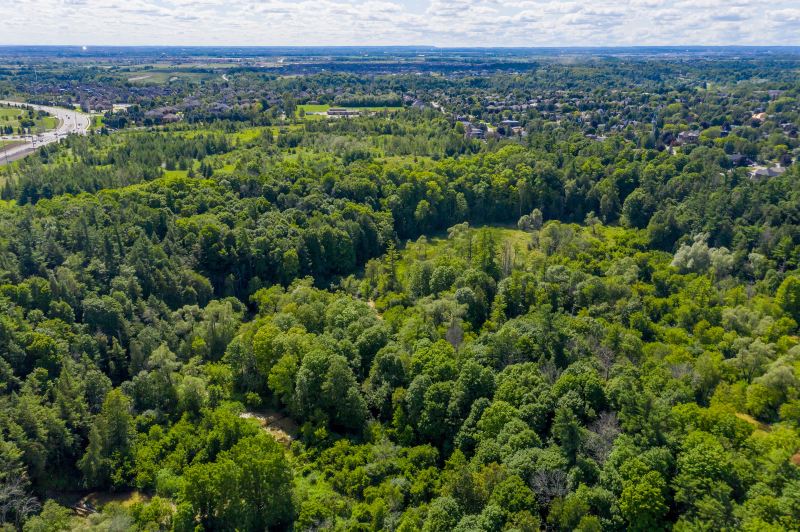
{"x": 69, "y": 122}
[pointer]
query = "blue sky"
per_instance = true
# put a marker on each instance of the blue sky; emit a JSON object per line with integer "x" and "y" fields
{"x": 397, "y": 22}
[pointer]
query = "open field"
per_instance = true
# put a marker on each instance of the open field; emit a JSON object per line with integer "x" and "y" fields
{"x": 313, "y": 108}
{"x": 96, "y": 122}
{"x": 161, "y": 77}
{"x": 15, "y": 118}
{"x": 437, "y": 244}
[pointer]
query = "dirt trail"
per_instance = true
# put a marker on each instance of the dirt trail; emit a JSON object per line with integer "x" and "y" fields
{"x": 754, "y": 422}
{"x": 279, "y": 426}
{"x": 764, "y": 427}
{"x": 93, "y": 502}
{"x": 371, "y": 304}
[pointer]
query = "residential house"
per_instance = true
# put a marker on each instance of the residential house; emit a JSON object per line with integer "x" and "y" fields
{"x": 341, "y": 111}
{"x": 763, "y": 172}
{"x": 688, "y": 137}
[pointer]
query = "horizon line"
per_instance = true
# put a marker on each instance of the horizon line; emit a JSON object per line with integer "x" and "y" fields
{"x": 427, "y": 46}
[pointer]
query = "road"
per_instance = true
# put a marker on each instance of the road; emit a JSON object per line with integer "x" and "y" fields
{"x": 69, "y": 122}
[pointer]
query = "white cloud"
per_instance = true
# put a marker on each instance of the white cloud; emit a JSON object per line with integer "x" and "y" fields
{"x": 387, "y": 22}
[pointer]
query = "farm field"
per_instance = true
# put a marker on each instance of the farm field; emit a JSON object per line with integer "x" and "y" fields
{"x": 162, "y": 77}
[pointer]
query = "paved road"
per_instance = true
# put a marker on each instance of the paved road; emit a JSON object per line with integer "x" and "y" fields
{"x": 69, "y": 122}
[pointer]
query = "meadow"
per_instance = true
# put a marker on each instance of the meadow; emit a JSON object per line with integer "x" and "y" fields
{"x": 14, "y": 118}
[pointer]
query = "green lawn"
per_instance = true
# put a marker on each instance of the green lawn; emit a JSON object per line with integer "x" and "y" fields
{"x": 9, "y": 112}
{"x": 176, "y": 173}
{"x": 313, "y": 108}
{"x": 12, "y": 116}
{"x": 97, "y": 122}
{"x": 249, "y": 134}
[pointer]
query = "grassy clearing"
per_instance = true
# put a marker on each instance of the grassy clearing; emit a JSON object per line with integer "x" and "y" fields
{"x": 14, "y": 117}
{"x": 438, "y": 245}
{"x": 754, "y": 422}
{"x": 176, "y": 173}
{"x": 614, "y": 240}
{"x": 242, "y": 136}
{"x": 127, "y": 499}
{"x": 49, "y": 122}
{"x": 250, "y": 134}
{"x": 6, "y": 113}
{"x": 438, "y": 242}
{"x": 276, "y": 424}
{"x": 313, "y": 108}
{"x": 96, "y": 122}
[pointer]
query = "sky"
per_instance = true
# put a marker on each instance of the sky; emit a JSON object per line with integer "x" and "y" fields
{"x": 400, "y": 22}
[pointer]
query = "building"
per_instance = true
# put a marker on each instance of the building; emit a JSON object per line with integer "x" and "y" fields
{"x": 475, "y": 133}
{"x": 737, "y": 159}
{"x": 763, "y": 172}
{"x": 688, "y": 137}
{"x": 341, "y": 111}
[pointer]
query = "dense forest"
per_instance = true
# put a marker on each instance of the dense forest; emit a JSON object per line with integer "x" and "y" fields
{"x": 264, "y": 318}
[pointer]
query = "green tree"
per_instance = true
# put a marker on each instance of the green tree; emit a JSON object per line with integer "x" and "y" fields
{"x": 788, "y": 297}
{"x": 248, "y": 487}
{"x": 485, "y": 258}
{"x": 568, "y": 433}
{"x": 705, "y": 470}
{"x": 642, "y": 502}
{"x": 110, "y": 442}
{"x": 53, "y": 518}
{"x": 326, "y": 392}
{"x": 443, "y": 515}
